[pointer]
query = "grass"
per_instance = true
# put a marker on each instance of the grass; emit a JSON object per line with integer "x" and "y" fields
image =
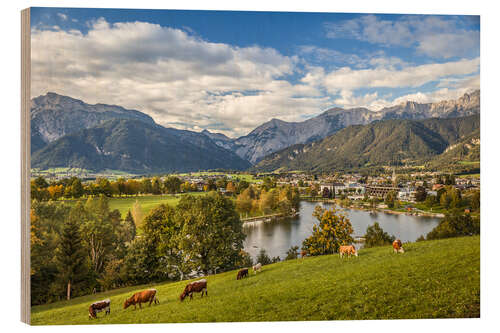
{"x": 432, "y": 279}
{"x": 148, "y": 202}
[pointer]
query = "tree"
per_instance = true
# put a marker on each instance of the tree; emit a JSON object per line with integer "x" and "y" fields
{"x": 146, "y": 186}
{"x": 390, "y": 199}
{"x": 137, "y": 213}
{"x": 263, "y": 258}
{"x": 173, "y": 184}
{"x": 130, "y": 227}
{"x": 455, "y": 225}
{"x": 97, "y": 231}
{"x": 376, "y": 236}
{"x": 230, "y": 188}
{"x": 163, "y": 233}
{"x": 211, "y": 233}
{"x": 244, "y": 201}
{"x": 245, "y": 260}
{"x": 292, "y": 253}
{"x": 156, "y": 186}
{"x": 76, "y": 188}
{"x": 104, "y": 186}
{"x": 420, "y": 194}
{"x": 334, "y": 229}
{"x": 40, "y": 182}
{"x": 70, "y": 252}
{"x": 242, "y": 185}
{"x": 475, "y": 200}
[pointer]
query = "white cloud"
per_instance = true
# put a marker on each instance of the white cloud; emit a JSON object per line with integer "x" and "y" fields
{"x": 431, "y": 35}
{"x": 179, "y": 79}
{"x": 186, "y": 82}
{"x": 410, "y": 76}
{"x": 62, "y": 16}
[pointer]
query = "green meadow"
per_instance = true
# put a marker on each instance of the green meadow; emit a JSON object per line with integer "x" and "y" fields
{"x": 147, "y": 202}
{"x": 432, "y": 279}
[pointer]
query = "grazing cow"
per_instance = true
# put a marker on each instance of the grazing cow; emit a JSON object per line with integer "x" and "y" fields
{"x": 397, "y": 246}
{"x": 303, "y": 253}
{"x": 195, "y": 287}
{"x": 98, "y": 307}
{"x": 242, "y": 273}
{"x": 257, "y": 267}
{"x": 142, "y": 297}
{"x": 348, "y": 250}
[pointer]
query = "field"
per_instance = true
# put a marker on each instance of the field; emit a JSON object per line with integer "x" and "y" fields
{"x": 147, "y": 202}
{"x": 433, "y": 279}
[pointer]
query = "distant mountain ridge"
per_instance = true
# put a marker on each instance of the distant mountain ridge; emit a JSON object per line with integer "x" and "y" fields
{"x": 54, "y": 115}
{"x": 276, "y": 134}
{"x": 138, "y": 147}
{"x": 384, "y": 142}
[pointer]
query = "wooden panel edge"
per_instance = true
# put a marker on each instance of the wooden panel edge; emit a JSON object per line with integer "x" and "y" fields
{"x": 25, "y": 165}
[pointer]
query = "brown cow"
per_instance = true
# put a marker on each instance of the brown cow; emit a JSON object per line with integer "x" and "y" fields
{"x": 98, "y": 307}
{"x": 195, "y": 287}
{"x": 397, "y": 246}
{"x": 348, "y": 250}
{"x": 242, "y": 273}
{"x": 303, "y": 253}
{"x": 142, "y": 297}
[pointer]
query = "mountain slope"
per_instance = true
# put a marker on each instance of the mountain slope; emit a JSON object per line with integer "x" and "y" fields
{"x": 276, "y": 134}
{"x": 466, "y": 151}
{"x": 53, "y": 116}
{"x": 379, "y": 143}
{"x": 136, "y": 146}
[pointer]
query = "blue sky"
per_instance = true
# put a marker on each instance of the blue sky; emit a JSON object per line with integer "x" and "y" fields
{"x": 231, "y": 71}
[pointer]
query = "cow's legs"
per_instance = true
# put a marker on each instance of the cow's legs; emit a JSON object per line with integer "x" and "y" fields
{"x": 140, "y": 305}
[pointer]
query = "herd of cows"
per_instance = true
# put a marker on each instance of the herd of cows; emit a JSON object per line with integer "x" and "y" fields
{"x": 149, "y": 295}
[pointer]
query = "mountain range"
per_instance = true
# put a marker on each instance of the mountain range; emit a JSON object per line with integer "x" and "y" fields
{"x": 387, "y": 142}
{"x": 67, "y": 132}
{"x": 276, "y": 134}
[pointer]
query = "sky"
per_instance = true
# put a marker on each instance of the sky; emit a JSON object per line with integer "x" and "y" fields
{"x": 229, "y": 72}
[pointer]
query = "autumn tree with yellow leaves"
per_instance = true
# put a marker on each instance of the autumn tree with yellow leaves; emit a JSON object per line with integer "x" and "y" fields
{"x": 334, "y": 229}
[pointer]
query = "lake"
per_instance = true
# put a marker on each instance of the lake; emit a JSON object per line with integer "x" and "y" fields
{"x": 278, "y": 236}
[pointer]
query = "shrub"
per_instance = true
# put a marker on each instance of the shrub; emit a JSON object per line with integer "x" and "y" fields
{"x": 455, "y": 225}
{"x": 376, "y": 236}
{"x": 263, "y": 258}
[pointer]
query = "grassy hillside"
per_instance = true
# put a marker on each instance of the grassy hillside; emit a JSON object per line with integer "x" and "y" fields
{"x": 433, "y": 279}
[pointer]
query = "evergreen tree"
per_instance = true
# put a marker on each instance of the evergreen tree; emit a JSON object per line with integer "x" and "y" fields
{"x": 71, "y": 253}
{"x": 130, "y": 227}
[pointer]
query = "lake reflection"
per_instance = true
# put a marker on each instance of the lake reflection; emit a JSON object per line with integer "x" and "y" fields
{"x": 277, "y": 237}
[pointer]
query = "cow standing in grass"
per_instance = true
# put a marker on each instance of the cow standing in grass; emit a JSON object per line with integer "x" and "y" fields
{"x": 398, "y": 246}
{"x": 303, "y": 254}
{"x": 195, "y": 287}
{"x": 348, "y": 250}
{"x": 242, "y": 273}
{"x": 142, "y": 297}
{"x": 97, "y": 307}
{"x": 257, "y": 267}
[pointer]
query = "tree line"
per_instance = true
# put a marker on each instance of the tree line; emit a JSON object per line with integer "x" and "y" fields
{"x": 74, "y": 188}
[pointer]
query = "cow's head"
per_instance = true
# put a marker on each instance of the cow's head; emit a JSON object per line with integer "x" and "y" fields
{"x": 127, "y": 303}
{"x": 92, "y": 313}
{"x": 182, "y": 296}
